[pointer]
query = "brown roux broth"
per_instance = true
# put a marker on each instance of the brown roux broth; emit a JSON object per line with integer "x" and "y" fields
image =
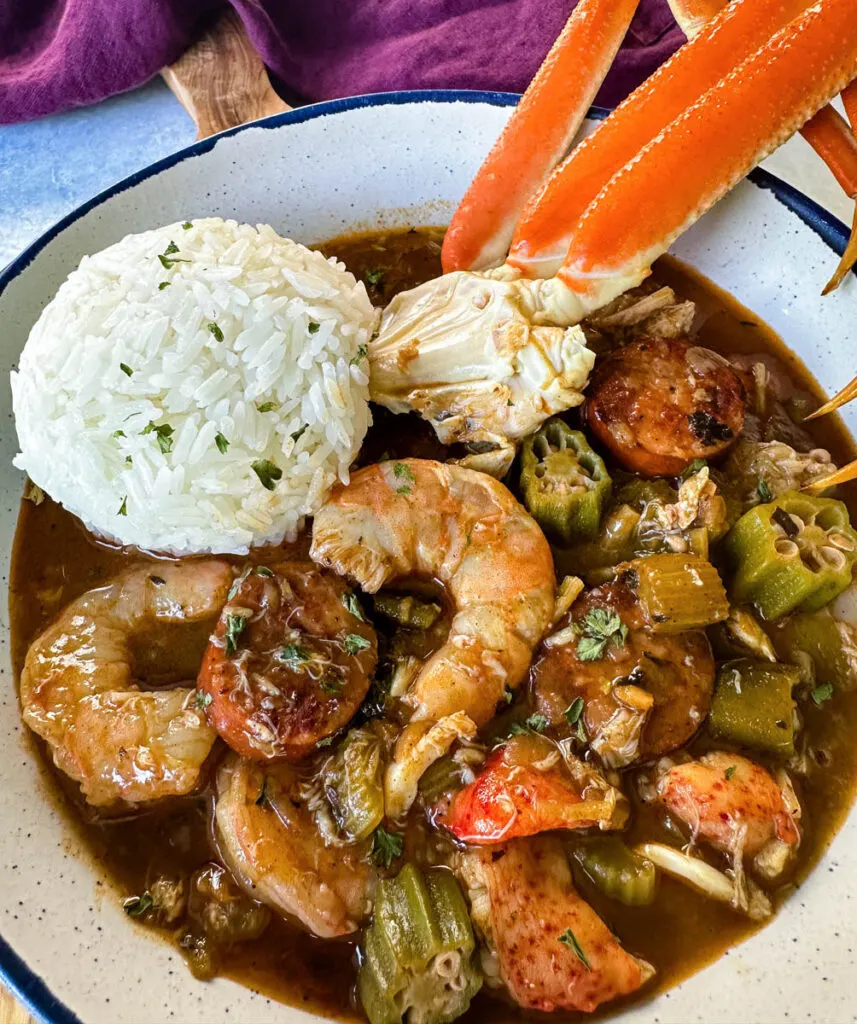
{"x": 55, "y": 560}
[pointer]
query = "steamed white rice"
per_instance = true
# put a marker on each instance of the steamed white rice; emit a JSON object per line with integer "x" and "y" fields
{"x": 149, "y": 387}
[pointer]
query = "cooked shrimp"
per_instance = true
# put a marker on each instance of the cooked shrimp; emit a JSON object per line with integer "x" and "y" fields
{"x": 734, "y": 805}
{"x": 289, "y": 662}
{"x": 268, "y": 838}
{"x": 642, "y": 697}
{"x": 463, "y": 528}
{"x": 659, "y": 404}
{"x": 527, "y": 786}
{"x": 78, "y": 691}
{"x": 552, "y": 950}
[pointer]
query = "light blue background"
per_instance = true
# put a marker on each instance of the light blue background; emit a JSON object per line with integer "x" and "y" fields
{"x": 49, "y": 167}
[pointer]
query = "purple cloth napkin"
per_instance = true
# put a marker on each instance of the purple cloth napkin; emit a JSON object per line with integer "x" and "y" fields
{"x": 58, "y": 54}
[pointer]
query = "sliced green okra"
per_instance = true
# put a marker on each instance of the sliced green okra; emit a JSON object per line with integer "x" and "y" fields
{"x": 564, "y": 483}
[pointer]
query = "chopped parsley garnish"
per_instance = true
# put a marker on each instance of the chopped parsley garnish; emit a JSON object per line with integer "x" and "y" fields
{"x": 386, "y": 847}
{"x": 164, "y": 434}
{"x": 822, "y": 693}
{"x": 215, "y": 331}
{"x": 764, "y": 491}
{"x": 349, "y": 599}
{"x": 129, "y": 461}
{"x": 535, "y": 723}
{"x": 268, "y": 406}
{"x": 403, "y": 472}
{"x": 123, "y": 508}
{"x": 295, "y": 656}
{"x": 362, "y": 353}
{"x": 234, "y": 628}
{"x": 126, "y": 369}
{"x": 569, "y": 939}
{"x": 693, "y": 468}
{"x": 313, "y": 327}
{"x": 354, "y": 643}
{"x": 331, "y": 685}
{"x": 325, "y": 742}
{"x": 165, "y": 257}
{"x": 187, "y": 225}
{"x": 164, "y": 284}
{"x": 574, "y": 711}
{"x": 136, "y": 906}
{"x": 268, "y": 472}
{"x": 600, "y": 626}
{"x": 730, "y": 771}
{"x": 374, "y": 275}
{"x": 202, "y": 700}
{"x": 118, "y": 433}
{"x": 297, "y": 434}
{"x": 221, "y": 442}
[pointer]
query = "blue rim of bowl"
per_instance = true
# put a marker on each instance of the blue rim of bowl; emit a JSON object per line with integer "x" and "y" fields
{"x": 24, "y": 982}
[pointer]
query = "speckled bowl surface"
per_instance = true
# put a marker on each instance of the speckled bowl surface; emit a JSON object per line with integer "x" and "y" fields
{"x": 66, "y": 946}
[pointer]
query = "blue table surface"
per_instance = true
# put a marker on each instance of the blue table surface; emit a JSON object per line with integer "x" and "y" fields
{"x": 49, "y": 167}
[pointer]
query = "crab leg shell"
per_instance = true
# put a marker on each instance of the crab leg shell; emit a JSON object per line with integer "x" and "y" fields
{"x": 847, "y": 394}
{"x": 537, "y": 135}
{"x": 708, "y": 149}
{"x": 849, "y": 101}
{"x": 541, "y": 236}
{"x": 828, "y": 133}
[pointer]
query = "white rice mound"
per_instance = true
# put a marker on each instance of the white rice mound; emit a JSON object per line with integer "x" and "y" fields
{"x": 150, "y": 387}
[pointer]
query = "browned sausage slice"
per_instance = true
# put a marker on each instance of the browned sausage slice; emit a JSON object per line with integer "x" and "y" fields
{"x": 289, "y": 662}
{"x": 643, "y": 695}
{"x": 659, "y": 404}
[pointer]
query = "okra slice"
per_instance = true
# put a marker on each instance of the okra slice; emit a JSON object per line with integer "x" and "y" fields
{"x": 564, "y": 483}
{"x": 417, "y": 962}
{"x": 752, "y": 705}
{"x": 353, "y": 785}
{"x": 797, "y": 552}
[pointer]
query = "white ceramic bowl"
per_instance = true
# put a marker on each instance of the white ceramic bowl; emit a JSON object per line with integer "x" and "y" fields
{"x": 67, "y": 947}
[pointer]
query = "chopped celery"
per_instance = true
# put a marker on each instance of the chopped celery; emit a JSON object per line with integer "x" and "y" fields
{"x": 752, "y": 705}
{"x": 679, "y": 592}
{"x": 418, "y": 952}
{"x": 617, "y": 871}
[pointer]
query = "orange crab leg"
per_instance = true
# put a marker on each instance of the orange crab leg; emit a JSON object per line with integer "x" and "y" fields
{"x": 849, "y": 99}
{"x": 540, "y": 240}
{"x": 708, "y": 149}
{"x": 538, "y": 134}
{"x": 827, "y": 132}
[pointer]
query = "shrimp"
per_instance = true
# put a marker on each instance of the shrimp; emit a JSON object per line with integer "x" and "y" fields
{"x": 551, "y": 949}
{"x": 659, "y": 404}
{"x": 289, "y": 662}
{"x": 78, "y": 692}
{"x": 641, "y": 698}
{"x": 465, "y": 529}
{"x": 526, "y": 786}
{"x": 268, "y": 839}
{"x": 734, "y": 805}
